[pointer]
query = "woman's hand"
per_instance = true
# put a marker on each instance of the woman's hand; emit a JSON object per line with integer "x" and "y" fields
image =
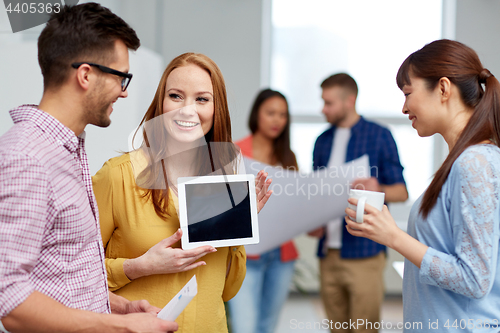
{"x": 262, "y": 189}
{"x": 378, "y": 226}
{"x": 163, "y": 259}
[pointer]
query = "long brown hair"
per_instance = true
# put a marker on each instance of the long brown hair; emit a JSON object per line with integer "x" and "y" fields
{"x": 461, "y": 65}
{"x": 216, "y": 157}
{"x": 281, "y": 145}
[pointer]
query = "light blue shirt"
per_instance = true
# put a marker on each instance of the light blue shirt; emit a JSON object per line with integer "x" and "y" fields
{"x": 457, "y": 287}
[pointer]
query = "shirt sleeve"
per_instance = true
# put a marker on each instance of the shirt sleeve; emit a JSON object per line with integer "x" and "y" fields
{"x": 24, "y": 218}
{"x": 474, "y": 214}
{"x": 391, "y": 171}
{"x": 238, "y": 266}
{"x": 316, "y": 152}
{"x": 104, "y": 181}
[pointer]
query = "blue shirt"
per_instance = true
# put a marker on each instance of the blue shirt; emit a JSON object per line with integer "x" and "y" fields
{"x": 377, "y": 142}
{"x": 457, "y": 285}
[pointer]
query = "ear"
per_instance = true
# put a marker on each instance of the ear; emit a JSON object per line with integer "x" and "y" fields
{"x": 83, "y": 76}
{"x": 351, "y": 101}
{"x": 444, "y": 86}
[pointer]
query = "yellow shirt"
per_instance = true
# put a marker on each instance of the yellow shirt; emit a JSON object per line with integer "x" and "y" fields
{"x": 130, "y": 227}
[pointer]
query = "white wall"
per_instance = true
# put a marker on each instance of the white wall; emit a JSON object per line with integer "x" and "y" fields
{"x": 227, "y": 31}
{"x": 478, "y": 26}
{"x": 21, "y": 81}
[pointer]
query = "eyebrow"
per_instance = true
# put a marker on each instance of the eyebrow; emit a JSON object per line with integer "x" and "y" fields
{"x": 198, "y": 93}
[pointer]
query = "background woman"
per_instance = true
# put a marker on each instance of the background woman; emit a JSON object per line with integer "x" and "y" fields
{"x": 451, "y": 279}
{"x": 137, "y": 198}
{"x": 256, "y": 307}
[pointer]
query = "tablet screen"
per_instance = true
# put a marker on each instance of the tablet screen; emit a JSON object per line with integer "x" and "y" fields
{"x": 218, "y": 210}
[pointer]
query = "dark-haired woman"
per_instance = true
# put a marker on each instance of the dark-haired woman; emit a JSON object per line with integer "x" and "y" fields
{"x": 451, "y": 280}
{"x": 256, "y": 307}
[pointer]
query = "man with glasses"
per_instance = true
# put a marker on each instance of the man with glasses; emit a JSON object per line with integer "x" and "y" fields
{"x": 126, "y": 76}
{"x": 52, "y": 273}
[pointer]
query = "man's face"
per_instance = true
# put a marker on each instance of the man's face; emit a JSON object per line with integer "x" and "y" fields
{"x": 107, "y": 89}
{"x": 336, "y": 104}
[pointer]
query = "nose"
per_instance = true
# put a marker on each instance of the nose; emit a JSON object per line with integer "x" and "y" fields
{"x": 405, "y": 109}
{"x": 124, "y": 94}
{"x": 188, "y": 110}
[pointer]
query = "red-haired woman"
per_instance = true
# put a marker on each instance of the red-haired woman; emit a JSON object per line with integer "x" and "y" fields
{"x": 451, "y": 279}
{"x": 256, "y": 307}
{"x": 137, "y": 198}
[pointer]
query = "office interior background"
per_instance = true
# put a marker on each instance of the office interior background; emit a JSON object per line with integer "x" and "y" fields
{"x": 290, "y": 46}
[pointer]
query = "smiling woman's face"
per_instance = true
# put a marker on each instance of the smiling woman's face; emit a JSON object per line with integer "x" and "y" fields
{"x": 188, "y": 106}
{"x": 422, "y": 105}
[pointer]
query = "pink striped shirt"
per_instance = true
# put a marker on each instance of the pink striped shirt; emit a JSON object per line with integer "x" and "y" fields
{"x": 50, "y": 238}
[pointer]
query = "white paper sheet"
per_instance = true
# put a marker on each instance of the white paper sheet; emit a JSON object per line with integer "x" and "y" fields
{"x": 303, "y": 202}
{"x": 399, "y": 266}
{"x": 177, "y": 304}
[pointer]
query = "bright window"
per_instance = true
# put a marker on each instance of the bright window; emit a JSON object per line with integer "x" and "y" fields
{"x": 366, "y": 39}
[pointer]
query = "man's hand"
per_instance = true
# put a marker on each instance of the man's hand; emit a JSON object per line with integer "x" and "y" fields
{"x": 139, "y": 316}
{"x": 141, "y": 306}
{"x": 121, "y": 305}
{"x": 367, "y": 184}
{"x": 320, "y": 232}
{"x": 146, "y": 322}
{"x": 40, "y": 313}
{"x": 393, "y": 193}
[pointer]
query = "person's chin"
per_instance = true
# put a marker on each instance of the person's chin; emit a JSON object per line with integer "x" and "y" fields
{"x": 273, "y": 135}
{"x": 332, "y": 120}
{"x": 424, "y": 134}
{"x": 103, "y": 123}
{"x": 105, "y": 117}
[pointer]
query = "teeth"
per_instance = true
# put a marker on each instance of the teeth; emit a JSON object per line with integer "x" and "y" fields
{"x": 185, "y": 123}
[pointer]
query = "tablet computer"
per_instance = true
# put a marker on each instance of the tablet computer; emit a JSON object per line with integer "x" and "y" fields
{"x": 218, "y": 210}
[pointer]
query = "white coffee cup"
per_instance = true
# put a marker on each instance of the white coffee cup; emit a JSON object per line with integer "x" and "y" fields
{"x": 375, "y": 199}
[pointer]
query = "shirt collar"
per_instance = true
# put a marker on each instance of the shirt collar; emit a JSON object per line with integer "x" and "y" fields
{"x": 356, "y": 128}
{"x": 48, "y": 124}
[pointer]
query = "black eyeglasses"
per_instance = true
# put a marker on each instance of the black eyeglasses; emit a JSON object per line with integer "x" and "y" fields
{"x": 126, "y": 76}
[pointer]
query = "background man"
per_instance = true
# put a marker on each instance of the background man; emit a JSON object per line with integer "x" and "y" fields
{"x": 351, "y": 268}
{"x": 51, "y": 253}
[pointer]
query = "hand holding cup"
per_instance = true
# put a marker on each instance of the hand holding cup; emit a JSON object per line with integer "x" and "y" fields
{"x": 370, "y": 218}
{"x": 375, "y": 199}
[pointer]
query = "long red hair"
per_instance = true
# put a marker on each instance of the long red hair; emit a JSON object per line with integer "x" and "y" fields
{"x": 217, "y": 156}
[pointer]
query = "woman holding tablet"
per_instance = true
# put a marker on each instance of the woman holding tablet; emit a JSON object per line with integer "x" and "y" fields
{"x": 137, "y": 198}
{"x": 257, "y": 306}
{"x": 451, "y": 275}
